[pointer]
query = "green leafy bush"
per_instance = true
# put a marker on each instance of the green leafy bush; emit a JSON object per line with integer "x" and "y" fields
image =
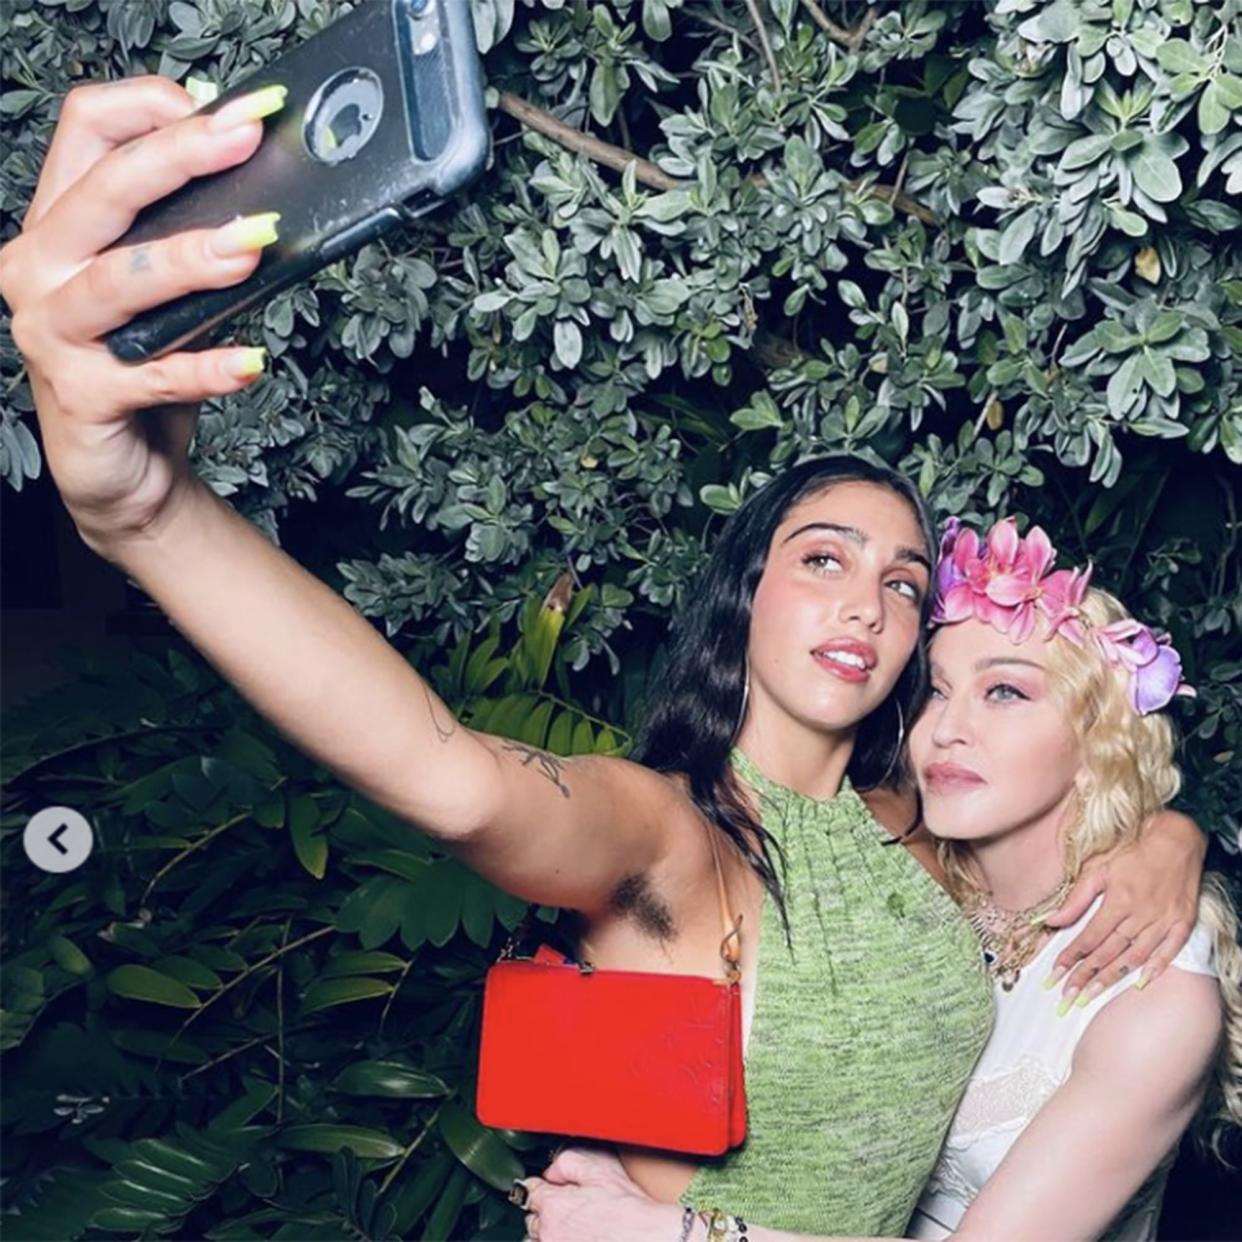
{"x": 262, "y": 972}
{"x": 993, "y": 244}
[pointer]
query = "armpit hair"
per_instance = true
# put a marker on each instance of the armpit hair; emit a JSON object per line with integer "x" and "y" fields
{"x": 635, "y": 898}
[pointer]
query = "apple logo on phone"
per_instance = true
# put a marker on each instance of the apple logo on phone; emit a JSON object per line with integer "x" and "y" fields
{"x": 344, "y": 113}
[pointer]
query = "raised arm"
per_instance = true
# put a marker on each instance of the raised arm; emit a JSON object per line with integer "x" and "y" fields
{"x": 559, "y": 831}
{"x": 116, "y": 438}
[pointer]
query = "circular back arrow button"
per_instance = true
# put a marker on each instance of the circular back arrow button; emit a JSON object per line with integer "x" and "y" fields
{"x": 58, "y": 838}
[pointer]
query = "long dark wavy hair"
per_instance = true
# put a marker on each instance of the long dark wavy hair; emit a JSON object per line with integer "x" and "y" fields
{"x": 694, "y": 713}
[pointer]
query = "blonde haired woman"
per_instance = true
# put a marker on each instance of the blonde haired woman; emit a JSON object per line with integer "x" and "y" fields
{"x": 1042, "y": 746}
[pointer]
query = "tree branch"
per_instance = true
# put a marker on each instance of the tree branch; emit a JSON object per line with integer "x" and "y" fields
{"x": 724, "y": 27}
{"x": 586, "y": 144}
{"x": 536, "y": 118}
{"x": 761, "y": 31}
{"x": 769, "y": 349}
{"x": 890, "y": 193}
{"x": 901, "y": 200}
{"x": 851, "y": 39}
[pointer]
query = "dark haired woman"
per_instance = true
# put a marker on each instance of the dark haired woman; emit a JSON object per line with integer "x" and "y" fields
{"x": 1043, "y": 744}
{"x": 796, "y": 663}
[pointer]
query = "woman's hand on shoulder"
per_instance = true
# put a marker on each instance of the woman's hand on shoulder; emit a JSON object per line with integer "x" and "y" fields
{"x": 1151, "y": 901}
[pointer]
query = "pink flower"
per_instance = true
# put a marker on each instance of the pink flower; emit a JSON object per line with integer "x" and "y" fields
{"x": 1014, "y": 584}
{"x": 956, "y": 573}
{"x": 998, "y": 583}
{"x": 1007, "y": 581}
{"x": 1061, "y": 602}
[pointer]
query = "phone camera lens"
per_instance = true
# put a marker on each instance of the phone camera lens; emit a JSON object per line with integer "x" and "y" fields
{"x": 425, "y": 31}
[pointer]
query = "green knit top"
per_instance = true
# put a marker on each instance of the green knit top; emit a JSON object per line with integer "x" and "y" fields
{"x": 863, "y": 1036}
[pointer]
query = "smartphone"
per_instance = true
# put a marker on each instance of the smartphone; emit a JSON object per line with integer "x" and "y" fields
{"x": 384, "y": 118}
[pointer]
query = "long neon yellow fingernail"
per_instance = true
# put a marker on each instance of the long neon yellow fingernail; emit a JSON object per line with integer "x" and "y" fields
{"x": 252, "y": 107}
{"x": 1058, "y": 973}
{"x": 201, "y": 90}
{"x": 1144, "y": 980}
{"x": 1064, "y": 1007}
{"x": 248, "y": 233}
{"x": 248, "y": 363}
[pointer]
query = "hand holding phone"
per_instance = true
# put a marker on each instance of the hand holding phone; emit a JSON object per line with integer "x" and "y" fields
{"x": 90, "y": 260}
{"x": 383, "y": 118}
{"x": 119, "y": 463}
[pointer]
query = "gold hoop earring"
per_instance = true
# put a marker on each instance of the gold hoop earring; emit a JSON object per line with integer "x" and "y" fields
{"x": 901, "y": 738}
{"x": 741, "y": 716}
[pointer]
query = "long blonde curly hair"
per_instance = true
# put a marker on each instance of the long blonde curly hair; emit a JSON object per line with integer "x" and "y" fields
{"x": 1128, "y": 774}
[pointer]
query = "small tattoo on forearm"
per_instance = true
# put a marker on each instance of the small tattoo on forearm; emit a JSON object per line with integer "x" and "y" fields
{"x": 140, "y": 260}
{"x": 442, "y": 732}
{"x": 549, "y": 765}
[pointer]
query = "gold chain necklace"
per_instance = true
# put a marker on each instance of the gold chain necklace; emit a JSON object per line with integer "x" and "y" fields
{"x": 1008, "y": 937}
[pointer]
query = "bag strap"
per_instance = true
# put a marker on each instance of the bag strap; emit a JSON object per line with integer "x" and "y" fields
{"x": 730, "y": 946}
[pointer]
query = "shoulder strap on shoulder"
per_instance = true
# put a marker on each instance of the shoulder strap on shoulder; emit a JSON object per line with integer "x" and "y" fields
{"x": 730, "y": 946}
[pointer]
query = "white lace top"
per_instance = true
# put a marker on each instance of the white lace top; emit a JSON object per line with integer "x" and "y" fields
{"x": 1027, "y": 1058}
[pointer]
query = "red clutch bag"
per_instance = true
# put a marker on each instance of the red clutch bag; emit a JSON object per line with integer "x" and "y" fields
{"x": 625, "y": 1056}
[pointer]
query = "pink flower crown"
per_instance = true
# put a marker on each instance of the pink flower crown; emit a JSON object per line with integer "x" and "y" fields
{"x": 1008, "y": 581}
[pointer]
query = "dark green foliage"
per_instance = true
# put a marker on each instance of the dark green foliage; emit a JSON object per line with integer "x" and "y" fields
{"x": 994, "y": 244}
{"x": 258, "y": 974}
